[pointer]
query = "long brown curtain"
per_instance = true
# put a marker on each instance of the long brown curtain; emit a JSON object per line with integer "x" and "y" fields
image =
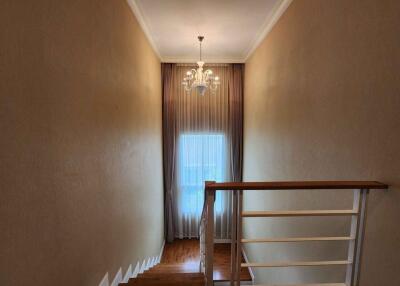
{"x": 219, "y": 114}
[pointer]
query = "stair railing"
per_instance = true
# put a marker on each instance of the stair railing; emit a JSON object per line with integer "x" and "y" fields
{"x": 355, "y": 238}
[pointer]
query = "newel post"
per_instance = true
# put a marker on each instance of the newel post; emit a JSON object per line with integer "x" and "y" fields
{"x": 210, "y": 198}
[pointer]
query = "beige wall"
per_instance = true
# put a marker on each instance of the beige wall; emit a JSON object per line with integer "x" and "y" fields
{"x": 80, "y": 148}
{"x": 322, "y": 102}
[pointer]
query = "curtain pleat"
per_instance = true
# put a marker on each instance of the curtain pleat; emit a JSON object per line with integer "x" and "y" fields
{"x": 236, "y": 120}
{"x": 200, "y": 132}
{"x": 169, "y": 126}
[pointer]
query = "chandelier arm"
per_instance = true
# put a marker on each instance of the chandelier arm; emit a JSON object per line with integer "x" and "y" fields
{"x": 208, "y": 72}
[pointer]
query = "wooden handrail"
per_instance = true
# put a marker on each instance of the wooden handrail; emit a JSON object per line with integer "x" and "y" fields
{"x": 300, "y": 185}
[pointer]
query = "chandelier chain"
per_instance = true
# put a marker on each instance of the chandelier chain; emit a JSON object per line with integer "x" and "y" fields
{"x": 200, "y": 51}
{"x": 201, "y": 38}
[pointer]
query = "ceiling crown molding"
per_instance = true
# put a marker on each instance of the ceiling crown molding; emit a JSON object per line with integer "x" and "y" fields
{"x": 194, "y": 60}
{"x": 140, "y": 18}
{"x": 270, "y": 22}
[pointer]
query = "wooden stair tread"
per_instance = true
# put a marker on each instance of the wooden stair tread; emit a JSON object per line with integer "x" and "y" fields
{"x": 163, "y": 275}
{"x": 175, "y": 277}
{"x": 175, "y": 268}
{"x": 179, "y": 274}
{"x": 168, "y": 279}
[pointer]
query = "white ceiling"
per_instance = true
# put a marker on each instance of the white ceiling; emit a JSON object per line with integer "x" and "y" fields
{"x": 232, "y": 28}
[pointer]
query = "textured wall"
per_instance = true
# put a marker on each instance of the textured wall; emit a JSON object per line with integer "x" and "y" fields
{"x": 322, "y": 101}
{"x": 80, "y": 147}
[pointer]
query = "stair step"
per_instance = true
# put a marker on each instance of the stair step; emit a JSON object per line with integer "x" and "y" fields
{"x": 174, "y": 268}
{"x": 164, "y": 279}
{"x": 166, "y": 275}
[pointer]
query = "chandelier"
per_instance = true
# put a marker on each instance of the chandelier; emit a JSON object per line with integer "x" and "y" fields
{"x": 200, "y": 80}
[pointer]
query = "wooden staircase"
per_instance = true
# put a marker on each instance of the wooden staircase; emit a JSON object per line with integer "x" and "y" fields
{"x": 169, "y": 275}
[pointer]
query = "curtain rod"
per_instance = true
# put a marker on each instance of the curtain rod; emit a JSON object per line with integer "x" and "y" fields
{"x": 207, "y": 64}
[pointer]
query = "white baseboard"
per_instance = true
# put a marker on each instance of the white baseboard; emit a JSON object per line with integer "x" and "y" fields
{"x": 104, "y": 281}
{"x": 161, "y": 252}
{"x": 117, "y": 279}
{"x": 128, "y": 274}
{"x": 140, "y": 267}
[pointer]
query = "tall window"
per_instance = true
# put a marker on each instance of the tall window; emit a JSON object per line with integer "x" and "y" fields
{"x": 202, "y": 157}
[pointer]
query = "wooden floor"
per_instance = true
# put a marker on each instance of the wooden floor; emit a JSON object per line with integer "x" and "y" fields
{"x": 186, "y": 253}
